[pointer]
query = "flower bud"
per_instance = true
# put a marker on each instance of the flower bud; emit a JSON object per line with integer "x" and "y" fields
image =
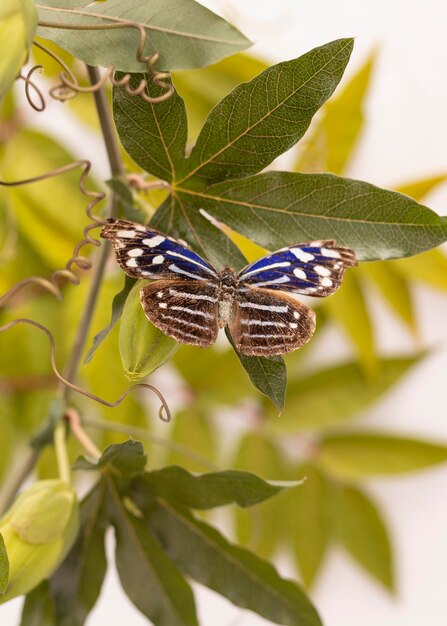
{"x": 38, "y": 530}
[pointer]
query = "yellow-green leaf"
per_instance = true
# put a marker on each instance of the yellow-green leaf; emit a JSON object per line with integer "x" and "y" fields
{"x": 356, "y": 455}
{"x": 394, "y": 287}
{"x": 333, "y": 136}
{"x": 18, "y": 21}
{"x": 348, "y": 307}
{"x": 429, "y": 268}
{"x": 194, "y": 432}
{"x": 362, "y": 532}
{"x": 257, "y": 528}
{"x": 309, "y": 528}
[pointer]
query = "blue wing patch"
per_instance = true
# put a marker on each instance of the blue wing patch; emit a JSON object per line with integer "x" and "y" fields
{"x": 144, "y": 252}
{"x": 313, "y": 269}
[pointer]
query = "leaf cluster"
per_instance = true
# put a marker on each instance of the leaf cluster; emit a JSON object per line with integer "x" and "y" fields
{"x": 161, "y": 545}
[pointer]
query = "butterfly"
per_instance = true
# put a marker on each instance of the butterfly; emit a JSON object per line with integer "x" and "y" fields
{"x": 189, "y": 300}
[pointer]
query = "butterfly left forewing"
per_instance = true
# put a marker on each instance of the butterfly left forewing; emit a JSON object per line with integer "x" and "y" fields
{"x": 266, "y": 323}
{"x": 314, "y": 269}
{"x": 186, "y": 310}
{"x": 144, "y": 252}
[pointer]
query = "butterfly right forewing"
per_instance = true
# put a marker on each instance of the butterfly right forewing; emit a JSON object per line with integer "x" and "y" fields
{"x": 186, "y": 310}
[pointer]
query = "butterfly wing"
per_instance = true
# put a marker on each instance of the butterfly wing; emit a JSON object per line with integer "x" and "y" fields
{"x": 144, "y": 252}
{"x": 266, "y": 323}
{"x": 186, "y": 310}
{"x": 311, "y": 269}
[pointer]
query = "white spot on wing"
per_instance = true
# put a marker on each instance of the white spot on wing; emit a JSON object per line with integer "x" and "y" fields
{"x": 158, "y": 259}
{"x": 154, "y": 241}
{"x": 159, "y": 294}
{"x": 126, "y": 234}
{"x": 322, "y": 271}
{"x": 296, "y": 315}
{"x": 293, "y": 325}
{"x": 302, "y": 255}
{"x": 300, "y": 273}
{"x": 326, "y": 282}
{"x": 332, "y": 254}
{"x": 162, "y": 305}
{"x": 131, "y": 263}
{"x": 135, "y": 252}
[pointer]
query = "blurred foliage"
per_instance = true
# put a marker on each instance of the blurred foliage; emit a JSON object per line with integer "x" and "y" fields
{"x": 44, "y": 221}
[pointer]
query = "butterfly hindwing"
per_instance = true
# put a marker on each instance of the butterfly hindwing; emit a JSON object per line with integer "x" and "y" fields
{"x": 144, "y": 252}
{"x": 266, "y": 323}
{"x": 312, "y": 269}
{"x": 186, "y": 310}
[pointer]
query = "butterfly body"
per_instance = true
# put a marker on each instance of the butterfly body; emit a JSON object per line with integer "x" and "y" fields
{"x": 189, "y": 300}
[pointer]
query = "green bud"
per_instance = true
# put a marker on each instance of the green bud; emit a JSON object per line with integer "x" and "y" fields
{"x": 38, "y": 530}
{"x": 18, "y": 20}
{"x": 143, "y": 347}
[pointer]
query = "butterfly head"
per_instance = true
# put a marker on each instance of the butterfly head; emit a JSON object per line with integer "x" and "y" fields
{"x": 228, "y": 278}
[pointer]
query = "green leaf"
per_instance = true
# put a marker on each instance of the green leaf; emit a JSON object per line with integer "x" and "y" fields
{"x": 308, "y": 522}
{"x": 348, "y": 307}
{"x": 117, "y": 310}
{"x": 395, "y": 289}
{"x": 258, "y": 528}
{"x": 38, "y": 609}
{"x": 206, "y": 491}
{"x": 76, "y": 584}
{"x": 361, "y": 530}
{"x": 355, "y": 455}
{"x": 202, "y": 89}
{"x": 269, "y": 375}
{"x": 261, "y": 119}
{"x": 154, "y": 134}
{"x": 148, "y": 576}
{"x": 247, "y": 581}
{"x": 334, "y": 136}
{"x": 175, "y": 218}
{"x": 429, "y": 268}
{"x": 279, "y": 208}
{"x": 4, "y": 566}
{"x": 128, "y": 458}
{"x": 184, "y": 33}
{"x": 143, "y": 347}
{"x": 18, "y": 21}
{"x": 331, "y": 396}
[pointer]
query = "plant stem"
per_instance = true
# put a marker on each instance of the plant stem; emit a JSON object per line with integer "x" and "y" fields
{"x": 60, "y": 447}
{"x": 116, "y": 168}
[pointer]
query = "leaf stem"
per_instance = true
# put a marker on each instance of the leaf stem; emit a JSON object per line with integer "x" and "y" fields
{"x": 60, "y": 447}
{"x": 74, "y": 422}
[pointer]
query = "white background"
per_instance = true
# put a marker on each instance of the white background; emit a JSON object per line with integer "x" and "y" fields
{"x": 406, "y": 138}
